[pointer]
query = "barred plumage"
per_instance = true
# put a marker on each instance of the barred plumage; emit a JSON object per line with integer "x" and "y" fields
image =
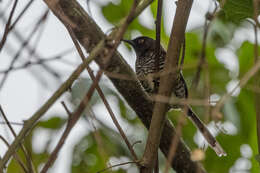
{"x": 146, "y": 71}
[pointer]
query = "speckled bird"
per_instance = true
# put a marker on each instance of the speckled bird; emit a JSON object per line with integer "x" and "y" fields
{"x": 148, "y": 73}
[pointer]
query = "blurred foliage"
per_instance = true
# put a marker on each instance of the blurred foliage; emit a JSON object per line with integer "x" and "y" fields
{"x": 94, "y": 151}
{"x": 238, "y": 10}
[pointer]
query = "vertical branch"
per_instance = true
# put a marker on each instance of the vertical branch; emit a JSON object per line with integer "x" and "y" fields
{"x": 207, "y": 92}
{"x": 157, "y": 55}
{"x": 158, "y": 34}
{"x": 166, "y": 84}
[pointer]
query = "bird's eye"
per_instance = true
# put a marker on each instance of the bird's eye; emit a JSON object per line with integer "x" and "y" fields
{"x": 141, "y": 41}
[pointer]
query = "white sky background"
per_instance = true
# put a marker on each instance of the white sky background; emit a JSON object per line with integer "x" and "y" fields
{"x": 23, "y": 94}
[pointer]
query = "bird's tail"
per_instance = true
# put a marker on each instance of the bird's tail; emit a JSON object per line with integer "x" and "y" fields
{"x": 205, "y": 132}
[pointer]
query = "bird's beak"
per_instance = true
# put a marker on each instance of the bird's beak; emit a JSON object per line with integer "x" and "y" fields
{"x": 129, "y": 42}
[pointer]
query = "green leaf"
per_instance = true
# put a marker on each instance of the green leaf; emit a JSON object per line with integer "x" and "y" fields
{"x": 127, "y": 113}
{"x": 238, "y": 10}
{"x": 52, "y": 123}
{"x": 115, "y": 12}
{"x": 246, "y": 57}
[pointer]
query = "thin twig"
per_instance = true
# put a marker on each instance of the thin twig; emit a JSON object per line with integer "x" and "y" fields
{"x": 13, "y": 123}
{"x": 241, "y": 84}
{"x": 21, "y": 39}
{"x": 37, "y": 40}
{"x": 16, "y": 156}
{"x": 66, "y": 108}
{"x": 174, "y": 100}
{"x": 28, "y": 159}
{"x": 209, "y": 17}
{"x": 176, "y": 139}
{"x": 120, "y": 164}
{"x": 27, "y": 6}
{"x": 158, "y": 34}
{"x": 7, "y": 122}
{"x": 29, "y": 63}
{"x": 7, "y": 29}
{"x": 136, "y": 142}
{"x": 207, "y": 91}
{"x": 24, "y": 44}
{"x": 183, "y": 50}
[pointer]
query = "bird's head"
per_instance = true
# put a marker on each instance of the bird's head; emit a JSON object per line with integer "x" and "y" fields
{"x": 141, "y": 44}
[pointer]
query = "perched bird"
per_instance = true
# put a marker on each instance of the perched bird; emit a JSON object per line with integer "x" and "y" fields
{"x": 148, "y": 73}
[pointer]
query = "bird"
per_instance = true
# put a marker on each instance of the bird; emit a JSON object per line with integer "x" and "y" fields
{"x": 148, "y": 67}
